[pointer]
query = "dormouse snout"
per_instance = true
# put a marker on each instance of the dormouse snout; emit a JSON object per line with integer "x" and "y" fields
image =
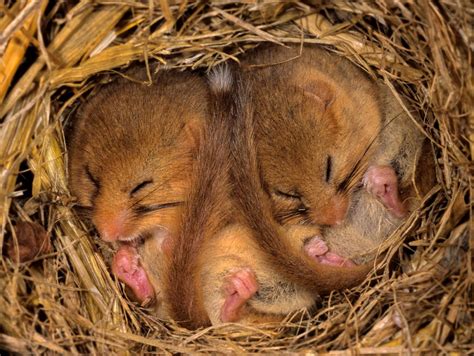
{"x": 332, "y": 213}
{"x": 112, "y": 227}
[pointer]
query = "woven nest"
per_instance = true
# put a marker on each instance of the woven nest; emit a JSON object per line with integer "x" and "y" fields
{"x": 66, "y": 301}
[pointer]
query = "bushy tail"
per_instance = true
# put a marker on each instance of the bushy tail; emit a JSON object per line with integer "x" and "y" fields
{"x": 207, "y": 207}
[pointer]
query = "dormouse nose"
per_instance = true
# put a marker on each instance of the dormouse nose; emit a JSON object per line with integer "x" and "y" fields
{"x": 111, "y": 227}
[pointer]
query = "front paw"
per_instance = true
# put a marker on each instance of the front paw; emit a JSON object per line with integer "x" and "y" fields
{"x": 127, "y": 268}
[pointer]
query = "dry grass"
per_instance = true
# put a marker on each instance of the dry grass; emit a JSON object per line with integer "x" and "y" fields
{"x": 67, "y": 302}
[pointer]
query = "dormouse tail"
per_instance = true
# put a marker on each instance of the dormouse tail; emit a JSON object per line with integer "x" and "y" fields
{"x": 206, "y": 210}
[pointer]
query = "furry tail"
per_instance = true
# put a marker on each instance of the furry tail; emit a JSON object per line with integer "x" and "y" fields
{"x": 205, "y": 212}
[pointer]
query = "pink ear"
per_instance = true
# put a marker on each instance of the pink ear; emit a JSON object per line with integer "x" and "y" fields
{"x": 320, "y": 91}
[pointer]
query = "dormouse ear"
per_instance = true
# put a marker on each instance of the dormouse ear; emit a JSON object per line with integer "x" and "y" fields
{"x": 320, "y": 91}
{"x": 192, "y": 132}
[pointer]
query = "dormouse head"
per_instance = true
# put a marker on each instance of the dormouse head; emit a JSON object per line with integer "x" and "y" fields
{"x": 314, "y": 141}
{"x": 132, "y": 151}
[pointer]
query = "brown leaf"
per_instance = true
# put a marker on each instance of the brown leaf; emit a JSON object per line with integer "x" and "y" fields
{"x": 33, "y": 240}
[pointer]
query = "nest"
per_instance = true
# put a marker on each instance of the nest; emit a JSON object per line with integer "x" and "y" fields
{"x": 66, "y": 300}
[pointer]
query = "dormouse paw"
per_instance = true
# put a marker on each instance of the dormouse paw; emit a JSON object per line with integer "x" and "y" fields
{"x": 239, "y": 287}
{"x": 126, "y": 266}
{"x": 334, "y": 259}
{"x": 317, "y": 249}
{"x": 382, "y": 182}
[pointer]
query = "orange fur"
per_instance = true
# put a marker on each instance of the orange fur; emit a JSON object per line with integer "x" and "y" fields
{"x": 290, "y": 263}
{"x": 131, "y": 152}
{"x": 205, "y": 213}
{"x": 302, "y": 112}
{"x": 307, "y": 112}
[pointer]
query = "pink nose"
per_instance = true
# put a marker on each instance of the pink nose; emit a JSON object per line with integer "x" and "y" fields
{"x": 111, "y": 228}
{"x": 111, "y": 232}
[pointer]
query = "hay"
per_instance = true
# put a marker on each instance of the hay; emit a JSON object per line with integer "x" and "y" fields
{"x": 67, "y": 302}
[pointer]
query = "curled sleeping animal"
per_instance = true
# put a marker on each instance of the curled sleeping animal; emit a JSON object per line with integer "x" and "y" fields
{"x": 135, "y": 200}
{"x": 131, "y": 153}
{"x": 238, "y": 281}
{"x": 219, "y": 272}
{"x": 316, "y": 131}
{"x": 322, "y": 128}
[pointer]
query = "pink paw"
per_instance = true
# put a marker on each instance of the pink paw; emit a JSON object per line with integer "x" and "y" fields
{"x": 127, "y": 268}
{"x": 319, "y": 251}
{"x": 316, "y": 247}
{"x": 382, "y": 182}
{"x": 239, "y": 287}
{"x": 333, "y": 259}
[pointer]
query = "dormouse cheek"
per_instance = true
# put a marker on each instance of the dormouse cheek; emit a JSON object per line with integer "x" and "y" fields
{"x": 329, "y": 211}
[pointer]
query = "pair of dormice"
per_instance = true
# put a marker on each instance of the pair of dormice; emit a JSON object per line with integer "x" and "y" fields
{"x": 242, "y": 195}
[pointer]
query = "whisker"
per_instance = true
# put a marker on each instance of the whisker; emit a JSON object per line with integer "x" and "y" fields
{"x": 306, "y": 221}
{"x": 285, "y": 216}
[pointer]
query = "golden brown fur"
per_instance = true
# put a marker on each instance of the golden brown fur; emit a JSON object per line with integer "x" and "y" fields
{"x": 132, "y": 149}
{"x": 205, "y": 213}
{"x": 234, "y": 248}
{"x": 131, "y": 155}
{"x": 212, "y": 244}
{"x": 304, "y": 111}
{"x": 257, "y": 211}
{"x": 211, "y": 237}
{"x": 368, "y": 222}
{"x": 315, "y": 117}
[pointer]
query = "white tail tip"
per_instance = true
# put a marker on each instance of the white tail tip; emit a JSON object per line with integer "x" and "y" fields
{"x": 220, "y": 78}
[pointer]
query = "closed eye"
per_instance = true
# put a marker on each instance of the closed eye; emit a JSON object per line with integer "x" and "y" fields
{"x": 94, "y": 180}
{"x": 143, "y": 209}
{"x": 292, "y": 215}
{"x": 288, "y": 195}
{"x": 328, "y": 169}
{"x": 140, "y": 186}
